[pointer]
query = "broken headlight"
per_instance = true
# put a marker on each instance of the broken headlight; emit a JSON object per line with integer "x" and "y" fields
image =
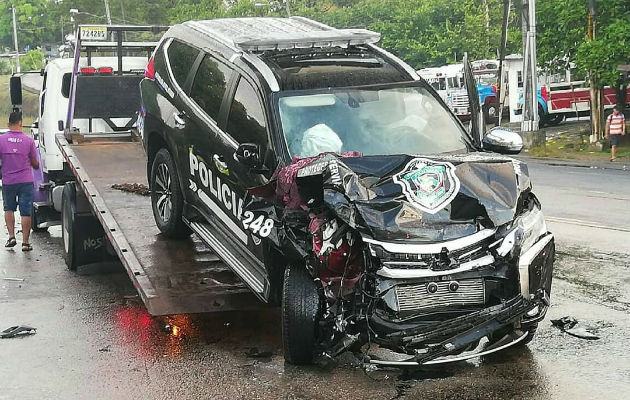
{"x": 525, "y": 231}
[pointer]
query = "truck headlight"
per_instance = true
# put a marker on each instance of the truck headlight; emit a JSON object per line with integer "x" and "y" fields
{"x": 525, "y": 231}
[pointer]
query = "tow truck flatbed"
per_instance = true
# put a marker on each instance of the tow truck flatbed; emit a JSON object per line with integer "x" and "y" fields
{"x": 171, "y": 276}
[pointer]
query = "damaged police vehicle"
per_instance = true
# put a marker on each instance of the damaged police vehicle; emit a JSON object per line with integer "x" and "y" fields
{"x": 336, "y": 183}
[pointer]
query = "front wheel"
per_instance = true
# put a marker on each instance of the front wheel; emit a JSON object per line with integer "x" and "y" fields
{"x": 491, "y": 113}
{"x": 555, "y": 119}
{"x": 300, "y": 313}
{"x": 167, "y": 199}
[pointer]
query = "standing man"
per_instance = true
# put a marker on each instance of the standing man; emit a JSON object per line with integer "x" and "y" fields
{"x": 615, "y": 128}
{"x": 19, "y": 156}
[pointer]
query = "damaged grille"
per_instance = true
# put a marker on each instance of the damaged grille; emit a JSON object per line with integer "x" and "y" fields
{"x": 431, "y": 295}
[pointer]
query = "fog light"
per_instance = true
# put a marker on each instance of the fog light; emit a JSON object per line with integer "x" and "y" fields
{"x": 533, "y": 312}
{"x": 432, "y": 287}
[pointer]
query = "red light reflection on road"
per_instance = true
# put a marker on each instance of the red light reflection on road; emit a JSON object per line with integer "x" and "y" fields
{"x": 148, "y": 336}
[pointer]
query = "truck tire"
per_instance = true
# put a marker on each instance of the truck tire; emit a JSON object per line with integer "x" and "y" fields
{"x": 555, "y": 119}
{"x": 300, "y": 312}
{"x": 491, "y": 113}
{"x": 542, "y": 117}
{"x": 68, "y": 218}
{"x": 35, "y": 220}
{"x": 167, "y": 199}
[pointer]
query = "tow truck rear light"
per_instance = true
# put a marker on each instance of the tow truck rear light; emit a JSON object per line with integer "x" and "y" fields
{"x": 105, "y": 70}
{"x": 543, "y": 93}
{"x": 88, "y": 71}
{"x": 149, "y": 71}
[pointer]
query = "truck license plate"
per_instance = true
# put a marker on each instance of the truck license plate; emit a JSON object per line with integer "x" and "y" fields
{"x": 94, "y": 32}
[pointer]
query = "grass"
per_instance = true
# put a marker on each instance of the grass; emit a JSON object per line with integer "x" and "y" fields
{"x": 570, "y": 145}
{"x": 30, "y": 101}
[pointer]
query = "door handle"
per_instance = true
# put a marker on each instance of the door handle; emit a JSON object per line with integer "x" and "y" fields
{"x": 221, "y": 165}
{"x": 178, "y": 117}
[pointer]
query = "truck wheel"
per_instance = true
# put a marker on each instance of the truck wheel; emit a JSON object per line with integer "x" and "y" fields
{"x": 542, "y": 117}
{"x": 36, "y": 220}
{"x": 491, "y": 113}
{"x": 167, "y": 198}
{"x": 68, "y": 217}
{"x": 300, "y": 311}
{"x": 555, "y": 119}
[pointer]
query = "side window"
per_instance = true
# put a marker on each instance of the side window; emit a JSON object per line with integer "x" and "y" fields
{"x": 45, "y": 80}
{"x": 246, "y": 122}
{"x": 181, "y": 57}
{"x": 209, "y": 85}
{"x": 65, "y": 84}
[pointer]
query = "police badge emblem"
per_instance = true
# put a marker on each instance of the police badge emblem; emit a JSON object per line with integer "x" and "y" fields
{"x": 428, "y": 185}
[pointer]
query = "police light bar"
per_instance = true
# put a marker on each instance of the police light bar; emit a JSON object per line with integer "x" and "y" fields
{"x": 317, "y": 39}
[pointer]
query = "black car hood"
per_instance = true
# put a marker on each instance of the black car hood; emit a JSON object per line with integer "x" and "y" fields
{"x": 396, "y": 198}
{"x": 416, "y": 198}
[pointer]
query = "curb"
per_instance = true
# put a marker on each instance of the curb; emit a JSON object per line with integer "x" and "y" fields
{"x": 620, "y": 166}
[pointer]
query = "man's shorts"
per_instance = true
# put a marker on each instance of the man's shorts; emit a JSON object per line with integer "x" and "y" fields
{"x": 18, "y": 194}
{"x": 614, "y": 140}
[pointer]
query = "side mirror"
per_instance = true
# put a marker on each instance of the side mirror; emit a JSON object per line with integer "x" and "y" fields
{"x": 502, "y": 140}
{"x": 60, "y": 125}
{"x": 248, "y": 154}
{"x": 35, "y": 124}
{"x": 15, "y": 87}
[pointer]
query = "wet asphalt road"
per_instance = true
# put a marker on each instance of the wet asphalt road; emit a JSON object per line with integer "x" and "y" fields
{"x": 95, "y": 339}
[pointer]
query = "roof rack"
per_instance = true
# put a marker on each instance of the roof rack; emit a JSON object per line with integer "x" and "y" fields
{"x": 328, "y": 38}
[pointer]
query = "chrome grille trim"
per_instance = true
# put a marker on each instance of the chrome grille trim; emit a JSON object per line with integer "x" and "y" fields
{"x": 415, "y": 297}
{"x": 399, "y": 273}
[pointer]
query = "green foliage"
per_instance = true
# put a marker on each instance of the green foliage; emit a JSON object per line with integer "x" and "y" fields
{"x": 5, "y": 67}
{"x": 562, "y": 37}
{"x": 32, "y": 61}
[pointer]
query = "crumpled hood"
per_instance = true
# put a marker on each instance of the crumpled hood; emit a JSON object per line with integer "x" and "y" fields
{"x": 417, "y": 198}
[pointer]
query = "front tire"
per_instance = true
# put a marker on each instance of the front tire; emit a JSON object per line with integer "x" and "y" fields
{"x": 300, "y": 313}
{"x": 555, "y": 119}
{"x": 491, "y": 113}
{"x": 167, "y": 199}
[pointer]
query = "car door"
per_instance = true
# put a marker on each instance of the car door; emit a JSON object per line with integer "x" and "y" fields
{"x": 180, "y": 116}
{"x": 215, "y": 179}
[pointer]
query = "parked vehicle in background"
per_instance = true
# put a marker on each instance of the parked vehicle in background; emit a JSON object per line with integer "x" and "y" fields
{"x": 92, "y": 156}
{"x": 334, "y": 182}
{"x": 448, "y": 82}
{"x": 557, "y": 101}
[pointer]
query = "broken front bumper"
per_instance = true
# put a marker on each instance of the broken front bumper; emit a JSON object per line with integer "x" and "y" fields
{"x": 438, "y": 341}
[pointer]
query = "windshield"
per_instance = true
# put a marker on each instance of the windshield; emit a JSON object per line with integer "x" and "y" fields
{"x": 373, "y": 121}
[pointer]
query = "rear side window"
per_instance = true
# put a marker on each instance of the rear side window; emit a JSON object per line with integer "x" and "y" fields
{"x": 209, "y": 85}
{"x": 246, "y": 123}
{"x": 181, "y": 57}
{"x": 65, "y": 84}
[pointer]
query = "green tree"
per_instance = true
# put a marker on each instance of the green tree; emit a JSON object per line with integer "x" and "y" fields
{"x": 32, "y": 61}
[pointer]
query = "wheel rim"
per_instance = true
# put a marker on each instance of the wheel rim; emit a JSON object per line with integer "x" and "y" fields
{"x": 492, "y": 111}
{"x": 163, "y": 193}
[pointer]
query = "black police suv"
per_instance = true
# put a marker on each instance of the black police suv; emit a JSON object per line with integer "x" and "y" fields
{"x": 336, "y": 183}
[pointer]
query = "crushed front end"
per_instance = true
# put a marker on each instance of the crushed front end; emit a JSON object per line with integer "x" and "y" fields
{"x": 428, "y": 258}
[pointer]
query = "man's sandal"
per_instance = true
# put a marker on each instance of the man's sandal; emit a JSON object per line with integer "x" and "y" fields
{"x": 26, "y": 247}
{"x": 11, "y": 242}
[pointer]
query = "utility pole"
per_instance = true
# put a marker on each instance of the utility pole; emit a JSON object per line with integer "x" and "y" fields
{"x": 530, "y": 72}
{"x": 15, "y": 41}
{"x": 507, "y": 4}
{"x": 595, "y": 92}
{"x": 107, "y": 12}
